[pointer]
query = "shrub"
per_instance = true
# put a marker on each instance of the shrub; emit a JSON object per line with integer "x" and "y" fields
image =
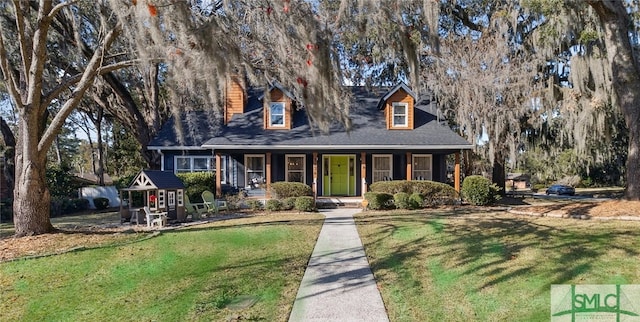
{"x": 392, "y": 187}
{"x": 61, "y": 182}
{"x": 124, "y": 181}
{"x": 434, "y": 193}
{"x": 479, "y": 191}
{"x": 401, "y": 200}
{"x": 234, "y": 201}
{"x": 101, "y": 203}
{"x": 573, "y": 181}
{"x": 289, "y": 203}
{"x": 283, "y": 190}
{"x": 378, "y": 200}
{"x": 63, "y": 206}
{"x": 197, "y": 182}
{"x": 273, "y": 205}
{"x": 6, "y": 210}
{"x": 416, "y": 200}
{"x": 305, "y": 203}
{"x": 254, "y": 204}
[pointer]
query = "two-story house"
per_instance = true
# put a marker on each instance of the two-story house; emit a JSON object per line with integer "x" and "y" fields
{"x": 394, "y": 136}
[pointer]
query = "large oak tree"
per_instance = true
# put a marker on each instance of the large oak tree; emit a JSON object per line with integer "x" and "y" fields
{"x": 24, "y": 39}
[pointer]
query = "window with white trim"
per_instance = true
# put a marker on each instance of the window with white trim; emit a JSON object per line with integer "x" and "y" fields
{"x": 180, "y": 198}
{"x": 382, "y": 167}
{"x": 160, "y": 199}
{"x": 400, "y": 111}
{"x": 295, "y": 168}
{"x": 254, "y": 170}
{"x": 276, "y": 114}
{"x": 193, "y": 163}
{"x": 422, "y": 167}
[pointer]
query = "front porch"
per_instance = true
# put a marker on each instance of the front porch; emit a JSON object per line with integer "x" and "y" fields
{"x": 330, "y": 173}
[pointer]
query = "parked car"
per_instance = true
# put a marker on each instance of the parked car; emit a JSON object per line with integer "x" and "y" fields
{"x": 561, "y": 189}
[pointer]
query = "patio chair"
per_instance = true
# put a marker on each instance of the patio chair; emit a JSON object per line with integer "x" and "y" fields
{"x": 158, "y": 218}
{"x": 196, "y": 210}
{"x": 212, "y": 204}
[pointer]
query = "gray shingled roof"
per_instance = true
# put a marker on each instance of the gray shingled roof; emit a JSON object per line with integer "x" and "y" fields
{"x": 195, "y": 129}
{"x": 246, "y": 131}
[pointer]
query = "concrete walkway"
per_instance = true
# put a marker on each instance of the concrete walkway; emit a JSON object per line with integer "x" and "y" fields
{"x": 338, "y": 284}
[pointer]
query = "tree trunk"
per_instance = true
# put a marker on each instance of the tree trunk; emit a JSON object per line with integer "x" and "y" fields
{"x": 625, "y": 82}
{"x": 498, "y": 173}
{"x": 100, "y": 168}
{"x": 31, "y": 197}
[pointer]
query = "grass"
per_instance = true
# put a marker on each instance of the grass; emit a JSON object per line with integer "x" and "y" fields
{"x": 195, "y": 274}
{"x": 447, "y": 266}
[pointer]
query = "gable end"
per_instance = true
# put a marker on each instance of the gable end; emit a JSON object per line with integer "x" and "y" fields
{"x": 399, "y": 111}
{"x": 278, "y": 113}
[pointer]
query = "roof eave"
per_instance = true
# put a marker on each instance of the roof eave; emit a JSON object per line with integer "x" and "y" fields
{"x": 400, "y": 85}
{"x": 340, "y": 147}
{"x": 176, "y": 147}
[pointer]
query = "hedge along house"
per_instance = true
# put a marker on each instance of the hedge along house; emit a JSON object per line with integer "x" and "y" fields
{"x": 161, "y": 191}
{"x": 395, "y": 135}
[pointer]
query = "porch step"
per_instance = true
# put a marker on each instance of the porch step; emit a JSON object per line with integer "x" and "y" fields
{"x": 331, "y": 203}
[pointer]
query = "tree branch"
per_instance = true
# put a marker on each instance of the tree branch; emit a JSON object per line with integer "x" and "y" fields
{"x": 89, "y": 75}
{"x": 76, "y": 78}
{"x": 38, "y": 57}
{"x": 23, "y": 39}
{"x": 59, "y": 7}
{"x": 463, "y": 15}
{"x": 8, "y": 73}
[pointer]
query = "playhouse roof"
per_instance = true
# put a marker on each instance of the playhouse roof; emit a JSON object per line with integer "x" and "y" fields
{"x": 155, "y": 179}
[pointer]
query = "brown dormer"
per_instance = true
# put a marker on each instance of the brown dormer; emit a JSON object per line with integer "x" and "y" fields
{"x": 235, "y": 97}
{"x": 278, "y": 111}
{"x": 398, "y": 105}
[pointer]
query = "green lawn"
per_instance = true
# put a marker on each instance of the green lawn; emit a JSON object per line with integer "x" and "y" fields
{"x": 202, "y": 273}
{"x": 445, "y": 266}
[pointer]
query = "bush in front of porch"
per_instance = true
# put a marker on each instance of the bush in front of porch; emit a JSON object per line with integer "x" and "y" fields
{"x": 434, "y": 193}
{"x": 283, "y": 190}
{"x": 197, "y": 182}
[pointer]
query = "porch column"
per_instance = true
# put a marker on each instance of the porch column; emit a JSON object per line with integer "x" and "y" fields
{"x": 363, "y": 171}
{"x": 314, "y": 185}
{"x": 268, "y": 175}
{"x": 456, "y": 173}
{"x": 409, "y": 166}
{"x": 218, "y": 175}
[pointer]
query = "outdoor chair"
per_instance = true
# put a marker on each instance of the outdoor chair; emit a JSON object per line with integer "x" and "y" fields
{"x": 195, "y": 209}
{"x": 212, "y": 204}
{"x": 157, "y": 218}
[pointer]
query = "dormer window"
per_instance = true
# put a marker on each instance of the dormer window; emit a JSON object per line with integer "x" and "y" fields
{"x": 400, "y": 111}
{"x": 276, "y": 114}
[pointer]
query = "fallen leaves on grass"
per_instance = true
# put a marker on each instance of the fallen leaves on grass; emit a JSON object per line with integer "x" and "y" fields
{"x": 612, "y": 208}
{"x": 61, "y": 241}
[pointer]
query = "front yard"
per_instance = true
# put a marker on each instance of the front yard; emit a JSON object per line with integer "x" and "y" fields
{"x": 236, "y": 269}
{"x": 475, "y": 266}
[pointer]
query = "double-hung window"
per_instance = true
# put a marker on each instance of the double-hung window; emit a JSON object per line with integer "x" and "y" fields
{"x": 295, "y": 168}
{"x": 400, "y": 112}
{"x": 382, "y": 167}
{"x": 276, "y": 114}
{"x": 195, "y": 164}
{"x": 422, "y": 167}
{"x": 254, "y": 170}
{"x": 199, "y": 164}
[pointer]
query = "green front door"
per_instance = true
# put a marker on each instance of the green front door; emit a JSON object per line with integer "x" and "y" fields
{"x": 339, "y": 173}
